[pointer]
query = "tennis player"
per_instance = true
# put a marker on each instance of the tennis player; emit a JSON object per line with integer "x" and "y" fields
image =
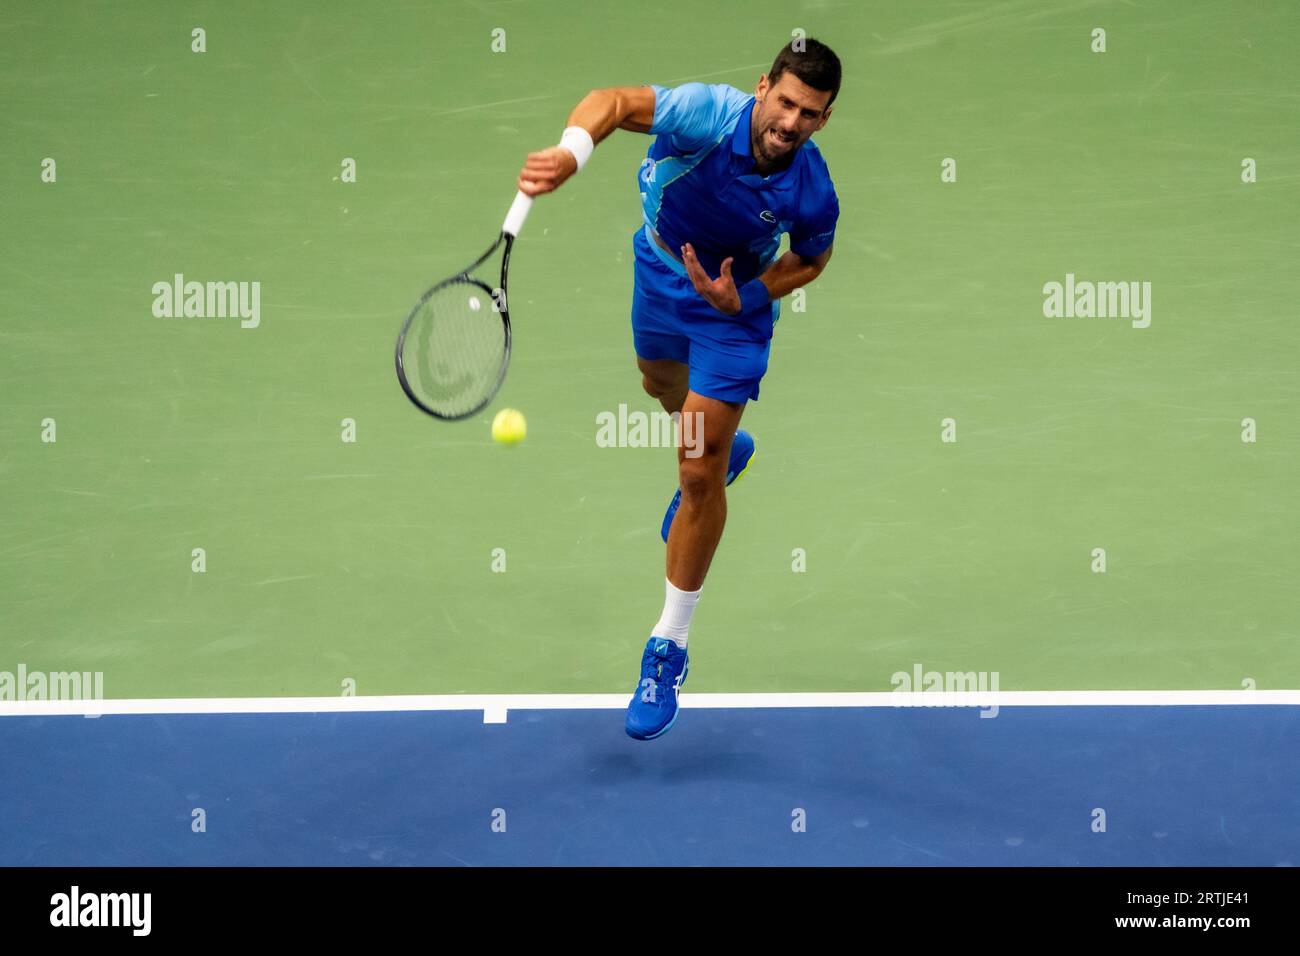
{"x": 727, "y": 174}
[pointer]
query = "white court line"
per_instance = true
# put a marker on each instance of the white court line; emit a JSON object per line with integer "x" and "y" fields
{"x": 496, "y": 707}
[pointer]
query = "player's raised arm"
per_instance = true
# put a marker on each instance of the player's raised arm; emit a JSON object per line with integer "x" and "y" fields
{"x": 598, "y": 114}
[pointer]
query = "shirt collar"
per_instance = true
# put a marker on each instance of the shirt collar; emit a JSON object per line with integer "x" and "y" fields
{"x": 740, "y": 144}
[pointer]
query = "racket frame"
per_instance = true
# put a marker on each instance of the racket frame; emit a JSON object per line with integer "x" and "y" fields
{"x": 502, "y": 307}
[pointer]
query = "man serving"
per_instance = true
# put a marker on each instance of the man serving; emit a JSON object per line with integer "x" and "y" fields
{"x": 727, "y": 174}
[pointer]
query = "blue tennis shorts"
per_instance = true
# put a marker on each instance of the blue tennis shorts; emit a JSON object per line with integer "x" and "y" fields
{"x": 727, "y": 354}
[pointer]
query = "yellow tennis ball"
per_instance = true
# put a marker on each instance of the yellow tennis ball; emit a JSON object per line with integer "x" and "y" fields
{"x": 509, "y": 427}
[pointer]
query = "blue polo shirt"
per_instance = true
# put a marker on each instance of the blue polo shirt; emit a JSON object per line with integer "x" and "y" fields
{"x": 699, "y": 184}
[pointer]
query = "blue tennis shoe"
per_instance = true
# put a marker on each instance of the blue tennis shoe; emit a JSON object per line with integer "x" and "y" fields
{"x": 653, "y": 708}
{"x": 742, "y": 454}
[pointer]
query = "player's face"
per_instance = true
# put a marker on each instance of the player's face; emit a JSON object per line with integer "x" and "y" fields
{"x": 787, "y": 113}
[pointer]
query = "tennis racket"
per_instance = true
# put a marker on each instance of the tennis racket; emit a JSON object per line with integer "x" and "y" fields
{"x": 454, "y": 346}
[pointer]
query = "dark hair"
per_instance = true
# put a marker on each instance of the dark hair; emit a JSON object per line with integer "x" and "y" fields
{"x": 817, "y": 65}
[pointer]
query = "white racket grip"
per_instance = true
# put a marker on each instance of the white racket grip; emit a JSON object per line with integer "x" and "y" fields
{"x": 517, "y": 214}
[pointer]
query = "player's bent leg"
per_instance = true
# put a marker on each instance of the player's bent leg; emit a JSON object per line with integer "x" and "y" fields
{"x": 708, "y": 427}
{"x": 666, "y": 380}
{"x": 742, "y": 455}
{"x": 722, "y": 377}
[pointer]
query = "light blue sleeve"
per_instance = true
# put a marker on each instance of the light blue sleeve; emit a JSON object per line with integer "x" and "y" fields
{"x": 693, "y": 113}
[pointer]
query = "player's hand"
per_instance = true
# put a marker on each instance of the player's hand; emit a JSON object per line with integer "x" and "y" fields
{"x": 720, "y": 292}
{"x": 546, "y": 171}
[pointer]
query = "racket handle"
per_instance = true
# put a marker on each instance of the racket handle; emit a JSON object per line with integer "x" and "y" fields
{"x": 517, "y": 214}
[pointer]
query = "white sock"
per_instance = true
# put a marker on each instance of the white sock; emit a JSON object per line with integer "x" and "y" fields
{"x": 676, "y": 619}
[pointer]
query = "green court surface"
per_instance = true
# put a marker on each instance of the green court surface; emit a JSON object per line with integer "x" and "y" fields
{"x": 372, "y": 561}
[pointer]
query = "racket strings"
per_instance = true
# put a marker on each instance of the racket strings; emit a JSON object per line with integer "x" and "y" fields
{"x": 455, "y": 348}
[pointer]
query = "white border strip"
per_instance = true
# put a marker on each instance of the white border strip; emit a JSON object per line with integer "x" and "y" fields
{"x": 495, "y": 707}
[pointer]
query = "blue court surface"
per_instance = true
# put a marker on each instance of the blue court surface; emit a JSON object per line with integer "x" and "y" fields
{"x": 1179, "y": 785}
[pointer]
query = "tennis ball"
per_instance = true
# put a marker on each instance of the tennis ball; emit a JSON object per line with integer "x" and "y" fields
{"x": 509, "y": 427}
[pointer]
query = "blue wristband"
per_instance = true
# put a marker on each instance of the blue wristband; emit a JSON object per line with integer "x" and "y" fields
{"x": 753, "y": 296}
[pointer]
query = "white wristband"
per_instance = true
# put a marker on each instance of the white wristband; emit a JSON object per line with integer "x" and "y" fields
{"x": 579, "y": 142}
